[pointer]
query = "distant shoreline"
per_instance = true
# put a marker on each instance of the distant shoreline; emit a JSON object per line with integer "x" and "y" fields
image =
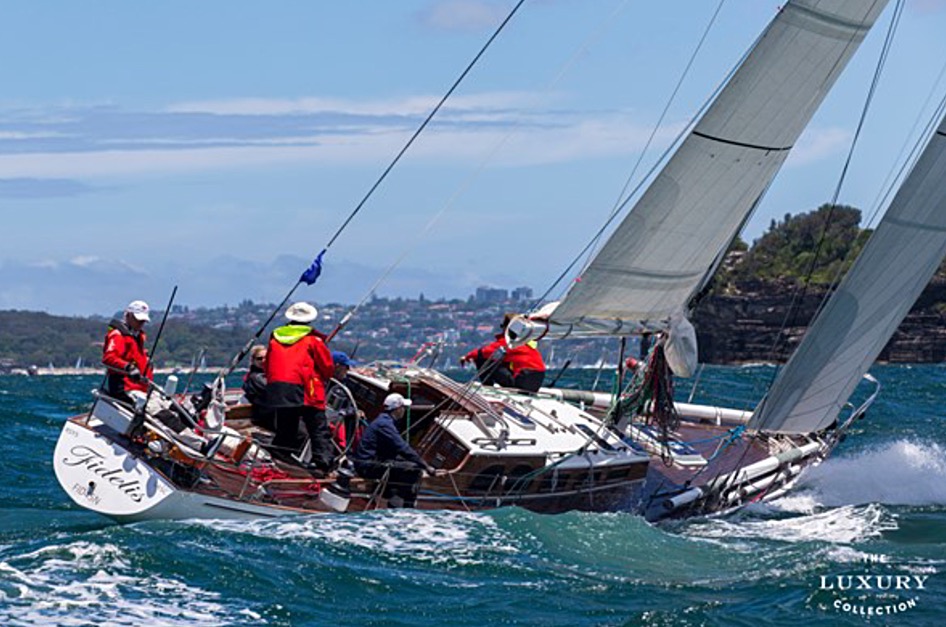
{"x": 58, "y": 372}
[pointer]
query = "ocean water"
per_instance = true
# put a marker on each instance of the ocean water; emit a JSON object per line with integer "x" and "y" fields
{"x": 876, "y": 509}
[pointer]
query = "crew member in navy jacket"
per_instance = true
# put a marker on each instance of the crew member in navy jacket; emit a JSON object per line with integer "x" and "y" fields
{"x": 382, "y": 451}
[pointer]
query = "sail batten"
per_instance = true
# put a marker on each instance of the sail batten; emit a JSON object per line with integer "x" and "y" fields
{"x": 733, "y": 142}
{"x": 894, "y": 267}
{"x": 659, "y": 256}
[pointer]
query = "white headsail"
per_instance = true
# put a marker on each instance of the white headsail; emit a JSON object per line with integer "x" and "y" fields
{"x": 868, "y": 306}
{"x": 662, "y": 253}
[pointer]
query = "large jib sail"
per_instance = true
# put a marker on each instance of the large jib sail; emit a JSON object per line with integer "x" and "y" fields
{"x": 662, "y": 253}
{"x": 868, "y": 306}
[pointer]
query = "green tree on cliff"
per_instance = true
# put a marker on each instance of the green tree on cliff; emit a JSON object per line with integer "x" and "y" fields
{"x": 824, "y": 242}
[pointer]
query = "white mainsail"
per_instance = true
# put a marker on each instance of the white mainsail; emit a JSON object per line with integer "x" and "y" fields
{"x": 868, "y": 306}
{"x": 664, "y": 250}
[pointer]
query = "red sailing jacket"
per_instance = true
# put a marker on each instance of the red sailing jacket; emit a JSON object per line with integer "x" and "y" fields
{"x": 297, "y": 365}
{"x": 525, "y": 357}
{"x": 485, "y": 352}
{"x": 123, "y": 347}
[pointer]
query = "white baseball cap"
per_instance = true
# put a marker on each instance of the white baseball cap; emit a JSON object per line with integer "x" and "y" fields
{"x": 301, "y": 312}
{"x": 139, "y": 309}
{"x": 396, "y": 401}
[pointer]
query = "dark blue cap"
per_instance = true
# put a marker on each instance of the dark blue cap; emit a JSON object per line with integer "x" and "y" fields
{"x": 341, "y": 359}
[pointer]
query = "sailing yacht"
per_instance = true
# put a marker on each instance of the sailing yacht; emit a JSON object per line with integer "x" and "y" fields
{"x": 561, "y": 450}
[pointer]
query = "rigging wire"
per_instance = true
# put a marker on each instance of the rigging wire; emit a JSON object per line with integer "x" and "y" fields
{"x": 684, "y": 132}
{"x": 423, "y": 125}
{"x": 878, "y": 71}
{"x": 466, "y": 184}
{"x": 779, "y": 347}
{"x": 316, "y": 268}
{"x": 653, "y": 131}
{"x": 907, "y": 163}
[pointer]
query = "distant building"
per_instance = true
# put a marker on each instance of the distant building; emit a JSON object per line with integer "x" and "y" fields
{"x": 521, "y": 294}
{"x": 488, "y": 295}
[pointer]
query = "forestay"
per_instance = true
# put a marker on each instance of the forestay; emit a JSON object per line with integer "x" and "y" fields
{"x": 894, "y": 267}
{"x": 663, "y": 252}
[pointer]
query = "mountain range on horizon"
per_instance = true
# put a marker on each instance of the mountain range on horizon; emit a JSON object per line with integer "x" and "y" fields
{"x": 100, "y": 286}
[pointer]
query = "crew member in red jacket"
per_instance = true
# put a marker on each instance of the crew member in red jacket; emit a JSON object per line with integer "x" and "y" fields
{"x": 297, "y": 366}
{"x": 124, "y": 352}
{"x": 520, "y": 367}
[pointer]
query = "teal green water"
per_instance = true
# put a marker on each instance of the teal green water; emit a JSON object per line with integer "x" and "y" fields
{"x": 881, "y": 497}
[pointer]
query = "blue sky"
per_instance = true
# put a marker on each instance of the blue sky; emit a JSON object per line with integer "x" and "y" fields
{"x": 217, "y": 145}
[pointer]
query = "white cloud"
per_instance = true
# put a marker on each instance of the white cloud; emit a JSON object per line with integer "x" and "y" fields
{"x": 532, "y": 139}
{"x": 28, "y": 135}
{"x": 817, "y": 143}
{"x": 463, "y": 15}
{"x": 412, "y": 105}
{"x": 84, "y": 260}
{"x": 217, "y": 141}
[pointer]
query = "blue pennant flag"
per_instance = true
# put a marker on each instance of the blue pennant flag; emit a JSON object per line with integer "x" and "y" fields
{"x": 312, "y": 273}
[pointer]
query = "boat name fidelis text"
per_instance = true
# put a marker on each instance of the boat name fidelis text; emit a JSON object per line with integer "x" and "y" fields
{"x": 93, "y": 461}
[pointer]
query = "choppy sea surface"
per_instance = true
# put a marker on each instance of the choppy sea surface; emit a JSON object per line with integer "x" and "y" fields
{"x": 871, "y": 518}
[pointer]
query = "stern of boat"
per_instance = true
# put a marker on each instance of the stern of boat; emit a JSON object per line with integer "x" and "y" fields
{"x": 102, "y": 476}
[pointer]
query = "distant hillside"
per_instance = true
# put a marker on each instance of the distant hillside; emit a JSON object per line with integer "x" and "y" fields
{"x": 739, "y": 319}
{"x": 35, "y": 338}
{"x": 383, "y": 329}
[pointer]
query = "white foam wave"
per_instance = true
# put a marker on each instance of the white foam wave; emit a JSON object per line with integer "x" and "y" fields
{"x": 842, "y": 525}
{"x": 83, "y": 583}
{"x": 844, "y": 554}
{"x": 434, "y": 537}
{"x": 901, "y": 473}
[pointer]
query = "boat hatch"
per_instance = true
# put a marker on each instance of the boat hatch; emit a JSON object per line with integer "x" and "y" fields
{"x": 523, "y": 420}
{"x": 601, "y": 442}
{"x": 649, "y": 437}
{"x": 498, "y": 444}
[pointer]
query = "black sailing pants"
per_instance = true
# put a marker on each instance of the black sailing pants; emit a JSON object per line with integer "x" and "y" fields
{"x": 287, "y": 437}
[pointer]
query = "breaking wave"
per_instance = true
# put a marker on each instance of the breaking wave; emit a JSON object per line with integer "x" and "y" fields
{"x": 436, "y": 538}
{"x": 902, "y": 472}
{"x": 83, "y": 583}
{"x": 842, "y": 525}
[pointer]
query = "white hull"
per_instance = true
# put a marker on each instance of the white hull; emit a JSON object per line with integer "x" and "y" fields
{"x": 101, "y": 476}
